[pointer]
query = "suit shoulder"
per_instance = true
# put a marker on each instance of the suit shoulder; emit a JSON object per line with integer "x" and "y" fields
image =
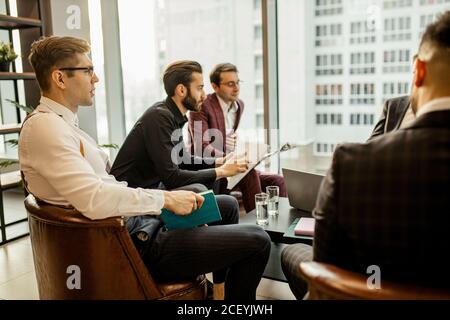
{"x": 156, "y": 112}
{"x": 404, "y": 100}
{"x": 207, "y": 104}
{"x": 387, "y": 143}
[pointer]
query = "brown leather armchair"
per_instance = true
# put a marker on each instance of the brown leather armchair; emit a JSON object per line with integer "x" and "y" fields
{"x": 329, "y": 282}
{"x": 110, "y": 265}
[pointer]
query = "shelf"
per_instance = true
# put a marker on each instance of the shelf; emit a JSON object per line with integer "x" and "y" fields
{"x": 10, "y": 128}
{"x": 17, "y": 76}
{"x": 10, "y": 23}
{"x": 10, "y": 180}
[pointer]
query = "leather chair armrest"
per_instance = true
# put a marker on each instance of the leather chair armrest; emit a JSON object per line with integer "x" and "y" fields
{"x": 331, "y": 282}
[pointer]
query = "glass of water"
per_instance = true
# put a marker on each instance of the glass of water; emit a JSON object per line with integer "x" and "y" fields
{"x": 262, "y": 217}
{"x": 272, "y": 202}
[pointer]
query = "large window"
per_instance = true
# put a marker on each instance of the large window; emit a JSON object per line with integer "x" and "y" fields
{"x": 155, "y": 33}
{"x": 339, "y": 60}
{"x": 95, "y": 20}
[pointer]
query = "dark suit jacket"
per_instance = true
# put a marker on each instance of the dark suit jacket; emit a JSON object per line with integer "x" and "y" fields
{"x": 394, "y": 111}
{"x": 211, "y": 117}
{"x": 387, "y": 203}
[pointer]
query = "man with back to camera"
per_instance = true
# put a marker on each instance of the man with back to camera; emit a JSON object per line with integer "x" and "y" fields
{"x": 62, "y": 165}
{"x": 393, "y": 212}
{"x": 222, "y": 111}
{"x": 397, "y": 114}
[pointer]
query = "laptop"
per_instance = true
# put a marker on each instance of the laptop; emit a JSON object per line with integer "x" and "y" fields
{"x": 302, "y": 188}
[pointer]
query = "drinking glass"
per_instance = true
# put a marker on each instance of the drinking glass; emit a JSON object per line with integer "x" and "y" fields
{"x": 262, "y": 217}
{"x": 272, "y": 203}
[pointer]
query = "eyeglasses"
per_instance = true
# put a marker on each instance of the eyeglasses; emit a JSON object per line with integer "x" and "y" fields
{"x": 87, "y": 70}
{"x": 232, "y": 84}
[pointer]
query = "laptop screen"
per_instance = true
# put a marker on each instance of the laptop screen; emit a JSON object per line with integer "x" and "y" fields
{"x": 302, "y": 188}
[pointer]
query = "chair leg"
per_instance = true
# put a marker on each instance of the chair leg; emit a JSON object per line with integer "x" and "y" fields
{"x": 219, "y": 291}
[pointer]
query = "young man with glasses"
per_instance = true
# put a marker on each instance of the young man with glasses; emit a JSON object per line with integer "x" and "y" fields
{"x": 62, "y": 165}
{"x": 222, "y": 111}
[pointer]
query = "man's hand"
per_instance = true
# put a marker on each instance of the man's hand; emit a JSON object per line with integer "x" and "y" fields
{"x": 220, "y": 161}
{"x": 182, "y": 203}
{"x": 231, "y": 141}
{"x": 233, "y": 165}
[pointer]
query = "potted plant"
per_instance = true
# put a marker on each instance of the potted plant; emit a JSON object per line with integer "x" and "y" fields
{"x": 7, "y": 55}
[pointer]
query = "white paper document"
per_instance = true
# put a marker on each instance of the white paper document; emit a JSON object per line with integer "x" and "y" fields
{"x": 256, "y": 154}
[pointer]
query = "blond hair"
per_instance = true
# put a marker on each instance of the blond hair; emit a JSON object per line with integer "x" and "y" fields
{"x": 49, "y": 53}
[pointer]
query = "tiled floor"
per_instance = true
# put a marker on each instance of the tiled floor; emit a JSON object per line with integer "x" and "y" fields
{"x": 18, "y": 282}
{"x": 17, "y": 279}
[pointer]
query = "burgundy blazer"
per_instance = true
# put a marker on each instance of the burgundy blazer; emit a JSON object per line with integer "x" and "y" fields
{"x": 211, "y": 117}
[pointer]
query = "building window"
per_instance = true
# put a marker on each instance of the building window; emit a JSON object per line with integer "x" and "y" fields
{"x": 328, "y": 35}
{"x": 257, "y": 5}
{"x": 327, "y": 65}
{"x": 396, "y": 4}
{"x": 174, "y": 27}
{"x": 362, "y": 63}
{"x": 329, "y": 94}
{"x": 395, "y": 89}
{"x": 397, "y": 29}
{"x": 328, "y": 7}
{"x": 258, "y": 63}
{"x": 362, "y": 93}
{"x": 359, "y": 119}
{"x": 368, "y": 58}
{"x": 259, "y": 91}
{"x": 258, "y": 32}
{"x": 361, "y": 32}
{"x": 333, "y": 119}
{"x": 397, "y": 61}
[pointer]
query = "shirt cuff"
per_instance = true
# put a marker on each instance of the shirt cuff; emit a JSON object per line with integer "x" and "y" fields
{"x": 156, "y": 201}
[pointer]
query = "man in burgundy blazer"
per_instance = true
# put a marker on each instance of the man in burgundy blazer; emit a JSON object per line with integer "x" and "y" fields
{"x": 222, "y": 111}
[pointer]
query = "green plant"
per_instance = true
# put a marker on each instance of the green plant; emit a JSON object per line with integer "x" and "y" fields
{"x": 110, "y": 146}
{"x": 7, "y": 53}
{"x": 27, "y": 109}
{"x": 7, "y": 163}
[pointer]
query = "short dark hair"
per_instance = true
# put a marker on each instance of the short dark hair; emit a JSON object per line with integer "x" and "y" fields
{"x": 438, "y": 33}
{"x": 214, "y": 76}
{"x": 179, "y": 72}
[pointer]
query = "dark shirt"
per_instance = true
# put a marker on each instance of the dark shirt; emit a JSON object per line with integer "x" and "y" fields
{"x": 145, "y": 158}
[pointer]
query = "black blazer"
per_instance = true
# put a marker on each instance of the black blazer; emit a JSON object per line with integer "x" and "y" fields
{"x": 394, "y": 111}
{"x": 387, "y": 203}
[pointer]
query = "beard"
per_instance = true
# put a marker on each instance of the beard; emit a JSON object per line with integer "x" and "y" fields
{"x": 190, "y": 103}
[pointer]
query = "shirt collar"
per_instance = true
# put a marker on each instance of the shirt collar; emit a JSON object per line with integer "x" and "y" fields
{"x": 227, "y": 107}
{"x": 435, "y": 105}
{"x": 180, "y": 118}
{"x": 60, "y": 110}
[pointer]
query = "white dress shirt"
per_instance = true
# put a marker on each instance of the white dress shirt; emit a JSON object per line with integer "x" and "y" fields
{"x": 56, "y": 171}
{"x": 229, "y": 112}
{"x": 440, "y": 104}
